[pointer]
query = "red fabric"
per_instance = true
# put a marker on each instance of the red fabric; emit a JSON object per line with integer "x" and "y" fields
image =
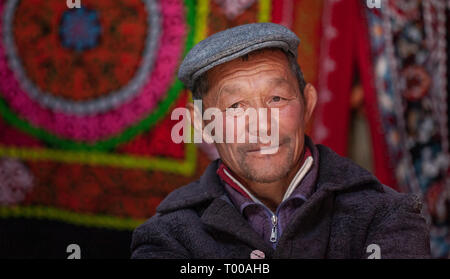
{"x": 155, "y": 141}
{"x": 277, "y": 11}
{"x": 335, "y": 114}
{"x": 382, "y": 168}
{"x": 350, "y": 51}
{"x": 229, "y": 181}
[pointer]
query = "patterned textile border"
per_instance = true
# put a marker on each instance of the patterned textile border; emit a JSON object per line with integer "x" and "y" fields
{"x": 41, "y": 212}
{"x": 185, "y": 167}
{"x": 129, "y": 133}
{"x": 99, "y": 158}
{"x": 95, "y": 156}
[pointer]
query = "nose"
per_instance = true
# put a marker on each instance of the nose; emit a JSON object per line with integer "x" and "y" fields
{"x": 260, "y": 126}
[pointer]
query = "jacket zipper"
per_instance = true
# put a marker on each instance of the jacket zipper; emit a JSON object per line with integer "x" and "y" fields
{"x": 274, "y": 234}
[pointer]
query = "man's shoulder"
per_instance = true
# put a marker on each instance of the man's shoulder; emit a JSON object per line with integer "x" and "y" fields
{"x": 181, "y": 197}
{"x": 206, "y": 188}
{"x": 357, "y": 190}
{"x": 379, "y": 201}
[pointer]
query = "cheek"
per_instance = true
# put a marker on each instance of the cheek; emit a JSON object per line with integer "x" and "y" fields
{"x": 230, "y": 129}
{"x": 291, "y": 119}
{"x": 228, "y": 122}
{"x": 228, "y": 154}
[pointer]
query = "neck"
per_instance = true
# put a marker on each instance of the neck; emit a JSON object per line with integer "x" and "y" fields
{"x": 271, "y": 194}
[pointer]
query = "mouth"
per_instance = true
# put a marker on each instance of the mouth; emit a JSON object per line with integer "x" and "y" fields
{"x": 264, "y": 150}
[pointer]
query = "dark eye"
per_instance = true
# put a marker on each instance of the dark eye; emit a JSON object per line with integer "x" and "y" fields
{"x": 276, "y": 98}
{"x": 234, "y": 106}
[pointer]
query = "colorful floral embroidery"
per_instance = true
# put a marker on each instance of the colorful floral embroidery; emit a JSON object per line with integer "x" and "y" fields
{"x": 408, "y": 43}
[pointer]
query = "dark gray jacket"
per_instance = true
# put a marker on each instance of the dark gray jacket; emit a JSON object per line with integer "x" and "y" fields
{"x": 348, "y": 211}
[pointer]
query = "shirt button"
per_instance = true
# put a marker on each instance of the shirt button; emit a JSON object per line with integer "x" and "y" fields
{"x": 257, "y": 254}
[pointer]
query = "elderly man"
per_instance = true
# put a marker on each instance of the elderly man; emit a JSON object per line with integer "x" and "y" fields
{"x": 300, "y": 201}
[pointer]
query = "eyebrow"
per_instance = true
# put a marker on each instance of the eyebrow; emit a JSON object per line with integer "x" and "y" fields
{"x": 229, "y": 89}
{"x": 278, "y": 81}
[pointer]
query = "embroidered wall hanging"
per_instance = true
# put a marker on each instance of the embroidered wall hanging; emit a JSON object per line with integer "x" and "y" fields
{"x": 85, "y": 102}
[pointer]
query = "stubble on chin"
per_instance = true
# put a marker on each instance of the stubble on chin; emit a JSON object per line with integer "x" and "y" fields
{"x": 267, "y": 171}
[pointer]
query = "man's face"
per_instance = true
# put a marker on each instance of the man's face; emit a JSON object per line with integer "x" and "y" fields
{"x": 265, "y": 80}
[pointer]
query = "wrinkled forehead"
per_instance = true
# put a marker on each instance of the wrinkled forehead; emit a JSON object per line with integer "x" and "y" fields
{"x": 265, "y": 67}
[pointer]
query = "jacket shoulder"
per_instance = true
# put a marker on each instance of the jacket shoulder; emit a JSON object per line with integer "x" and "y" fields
{"x": 179, "y": 197}
{"x": 380, "y": 200}
{"x": 159, "y": 236}
{"x": 205, "y": 189}
{"x": 357, "y": 190}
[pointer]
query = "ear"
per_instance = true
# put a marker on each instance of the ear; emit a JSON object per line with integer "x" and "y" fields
{"x": 191, "y": 108}
{"x": 196, "y": 119}
{"x": 196, "y": 113}
{"x": 310, "y": 97}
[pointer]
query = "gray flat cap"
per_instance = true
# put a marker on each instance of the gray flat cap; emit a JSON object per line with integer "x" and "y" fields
{"x": 232, "y": 43}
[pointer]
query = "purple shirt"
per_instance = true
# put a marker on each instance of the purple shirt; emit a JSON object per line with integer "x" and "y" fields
{"x": 270, "y": 225}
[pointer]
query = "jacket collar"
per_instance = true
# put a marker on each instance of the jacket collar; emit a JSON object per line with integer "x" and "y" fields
{"x": 219, "y": 214}
{"x": 336, "y": 173}
{"x": 222, "y": 216}
{"x": 229, "y": 178}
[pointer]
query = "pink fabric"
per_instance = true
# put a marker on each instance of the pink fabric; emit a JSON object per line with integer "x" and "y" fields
{"x": 15, "y": 181}
{"x": 234, "y": 8}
